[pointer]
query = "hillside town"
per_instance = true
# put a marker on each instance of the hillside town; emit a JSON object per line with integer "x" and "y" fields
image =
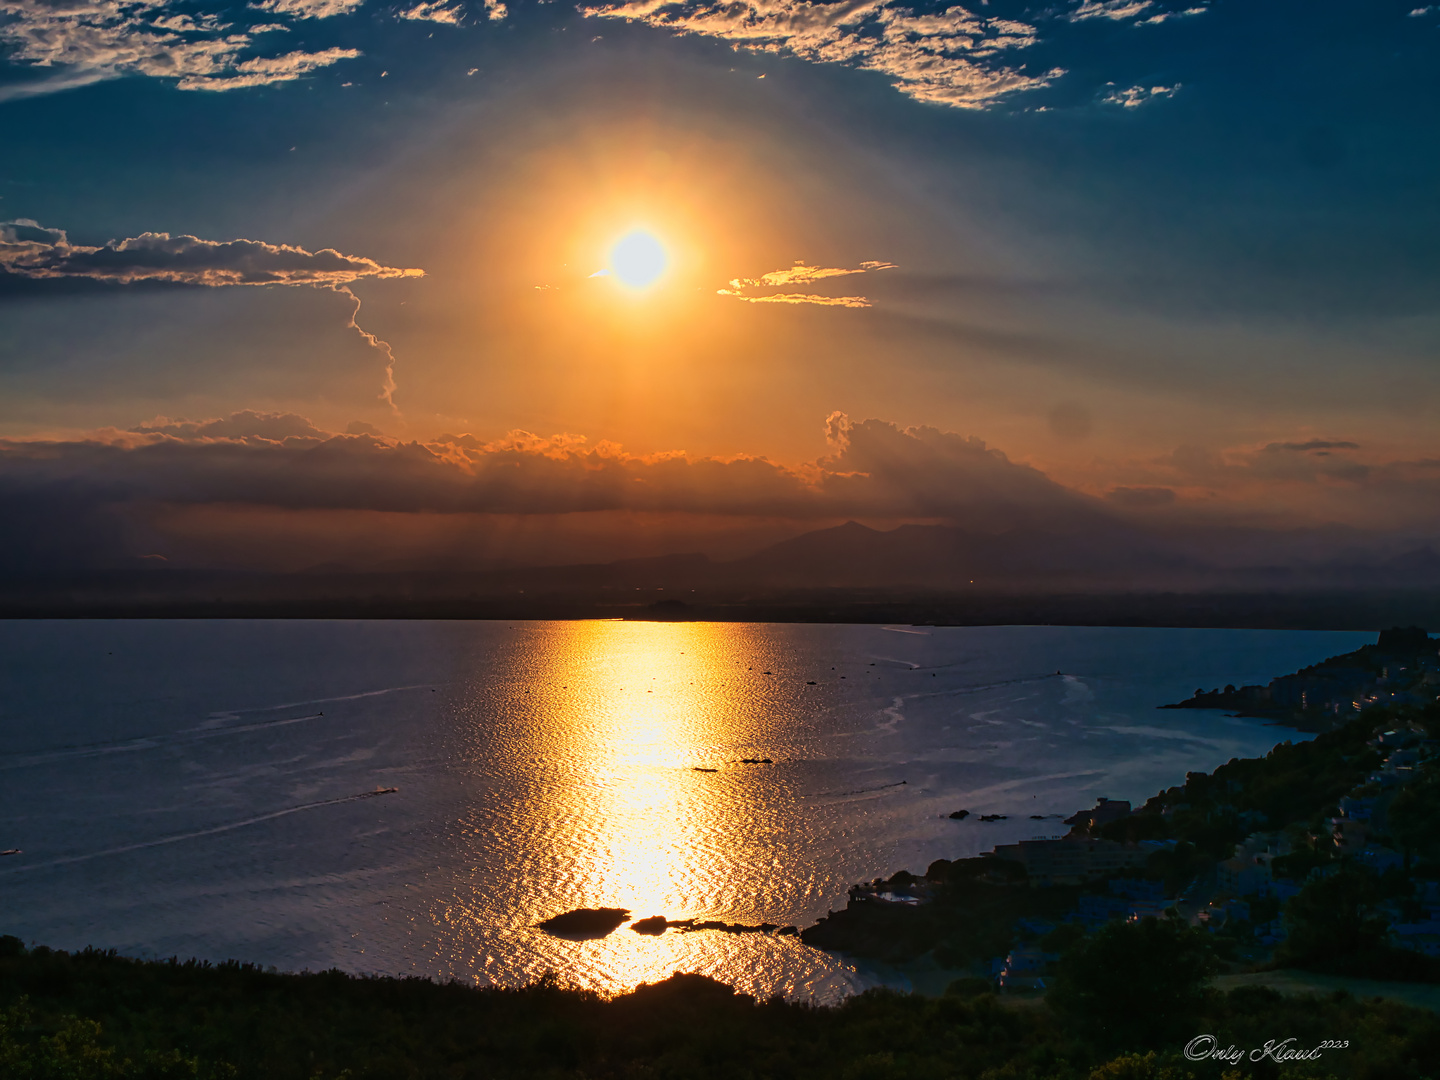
{"x": 1401, "y": 668}
{"x": 1323, "y": 855}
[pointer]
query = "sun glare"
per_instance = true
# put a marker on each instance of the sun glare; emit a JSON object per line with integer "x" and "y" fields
{"x": 638, "y": 259}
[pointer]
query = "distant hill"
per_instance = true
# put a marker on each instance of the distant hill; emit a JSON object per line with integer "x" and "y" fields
{"x": 942, "y": 556}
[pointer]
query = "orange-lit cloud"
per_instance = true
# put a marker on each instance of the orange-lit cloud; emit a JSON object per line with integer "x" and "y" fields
{"x": 801, "y": 274}
{"x": 63, "y": 502}
{"x": 280, "y": 459}
{"x": 802, "y": 298}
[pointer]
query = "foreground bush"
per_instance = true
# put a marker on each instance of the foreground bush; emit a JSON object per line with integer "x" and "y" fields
{"x": 96, "y": 1015}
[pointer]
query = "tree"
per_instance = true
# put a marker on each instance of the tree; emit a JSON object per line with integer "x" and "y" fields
{"x": 1414, "y": 819}
{"x": 1330, "y": 919}
{"x": 1133, "y": 985}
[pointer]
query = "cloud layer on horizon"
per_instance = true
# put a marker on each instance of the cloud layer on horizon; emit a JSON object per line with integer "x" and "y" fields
{"x": 874, "y": 470}
{"x": 282, "y": 459}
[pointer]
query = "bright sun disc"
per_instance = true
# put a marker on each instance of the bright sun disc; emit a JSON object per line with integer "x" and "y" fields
{"x": 638, "y": 259}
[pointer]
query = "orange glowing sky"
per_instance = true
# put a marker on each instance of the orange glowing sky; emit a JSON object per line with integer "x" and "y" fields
{"x": 1107, "y": 279}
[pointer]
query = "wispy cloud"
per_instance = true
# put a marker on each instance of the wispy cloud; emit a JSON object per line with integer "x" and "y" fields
{"x": 1309, "y": 446}
{"x": 94, "y": 40}
{"x": 308, "y": 9}
{"x": 951, "y": 58}
{"x": 801, "y": 274}
{"x": 1136, "y": 96}
{"x": 802, "y": 298}
{"x": 30, "y": 250}
{"x": 436, "y": 11}
{"x": 1110, "y": 9}
{"x": 1132, "y": 10}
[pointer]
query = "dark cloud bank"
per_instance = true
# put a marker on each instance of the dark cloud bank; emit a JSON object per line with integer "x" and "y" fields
{"x": 946, "y": 513}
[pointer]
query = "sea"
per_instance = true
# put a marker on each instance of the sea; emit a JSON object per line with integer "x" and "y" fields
{"x": 415, "y": 798}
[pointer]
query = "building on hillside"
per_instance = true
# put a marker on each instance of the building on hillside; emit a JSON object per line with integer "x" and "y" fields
{"x": 1103, "y": 813}
{"x": 1071, "y": 860}
{"x": 1249, "y": 870}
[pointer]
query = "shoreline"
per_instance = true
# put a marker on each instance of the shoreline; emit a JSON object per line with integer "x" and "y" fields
{"x": 1339, "y": 610}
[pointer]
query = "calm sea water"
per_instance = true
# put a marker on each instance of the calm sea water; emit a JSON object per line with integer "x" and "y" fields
{"x": 190, "y": 788}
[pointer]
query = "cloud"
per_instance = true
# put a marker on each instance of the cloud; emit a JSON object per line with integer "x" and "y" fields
{"x": 88, "y": 41}
{"x": 246, "y": 424}
{"x": 1141, "y": 498}
{"x": 495, "y": 10}
{"x": 1110, "y": 9}
{"x": 68, "y": 501}
{"x": 1312, "y": 444}
{"x": 29, "y": 250}
{"x": 308, "y": 9}
{"x": 38, "y": 256}
{"x": 873, "y": 469}
{"x": 952, "y": 57}
{"x": 1071, "y": 421}
{"x": 436, "y": 11}
{"x": 1136, "y": 96}
{"x": 1166, "y": 16}
{"x": 801, "y": 274}
{"x": 1121, "y": 10}
{"x": 802, "y": 298}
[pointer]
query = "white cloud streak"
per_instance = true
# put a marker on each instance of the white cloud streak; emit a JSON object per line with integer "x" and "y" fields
{"x": 949, "y": 58}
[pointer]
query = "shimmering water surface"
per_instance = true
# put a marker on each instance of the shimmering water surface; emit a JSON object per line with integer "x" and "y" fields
{"x": 188, "y": 787}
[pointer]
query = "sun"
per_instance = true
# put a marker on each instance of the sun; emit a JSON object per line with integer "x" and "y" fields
{"x": 638, "y": 260}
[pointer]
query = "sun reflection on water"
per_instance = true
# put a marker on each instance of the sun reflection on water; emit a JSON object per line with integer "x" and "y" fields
{"x": 627, "y": 720}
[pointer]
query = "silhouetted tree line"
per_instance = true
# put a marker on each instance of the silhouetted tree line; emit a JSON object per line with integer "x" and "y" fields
{"x": 1127, "y": 999}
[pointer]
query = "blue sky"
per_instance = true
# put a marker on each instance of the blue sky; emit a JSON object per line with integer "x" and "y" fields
{"x": 1183, "y": 249}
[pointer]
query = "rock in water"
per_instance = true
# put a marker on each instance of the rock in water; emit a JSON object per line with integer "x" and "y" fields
{"x": 655, "y": 924}
{"x": 586, "y": 922}
{"x": 960, "y": 815}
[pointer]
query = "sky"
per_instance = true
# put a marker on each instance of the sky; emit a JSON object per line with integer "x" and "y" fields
{"x": 310, "y": 282}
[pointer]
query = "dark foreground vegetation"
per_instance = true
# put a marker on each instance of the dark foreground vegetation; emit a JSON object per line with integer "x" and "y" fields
{"x": 1124, "y": 1008}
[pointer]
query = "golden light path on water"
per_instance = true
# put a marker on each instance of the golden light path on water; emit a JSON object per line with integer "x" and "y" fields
{"x": 623, "y": 816}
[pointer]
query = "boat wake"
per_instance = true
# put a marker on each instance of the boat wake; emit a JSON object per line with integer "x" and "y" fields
{"x": 213, "y": 831}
